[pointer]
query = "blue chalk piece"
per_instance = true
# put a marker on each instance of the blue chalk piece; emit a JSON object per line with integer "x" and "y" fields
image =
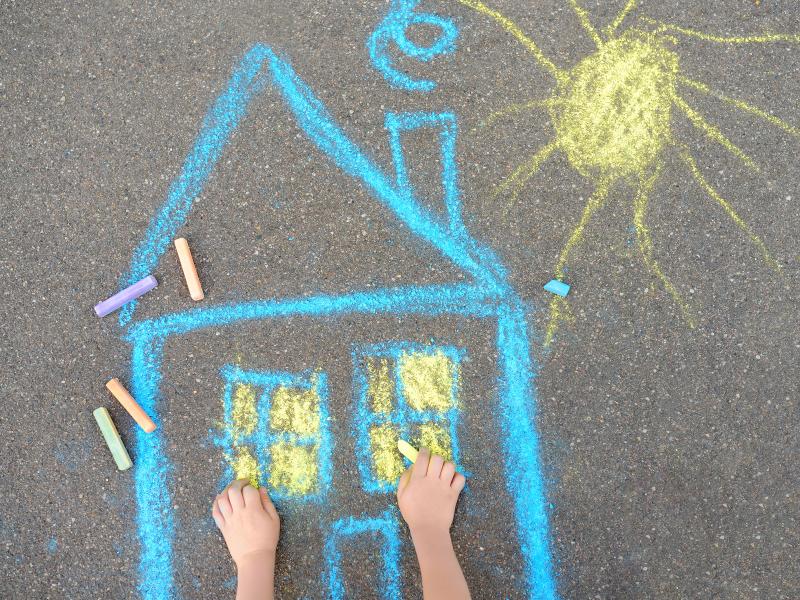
{"x": 554, "y": 286}
{"x": 129, "y": 293}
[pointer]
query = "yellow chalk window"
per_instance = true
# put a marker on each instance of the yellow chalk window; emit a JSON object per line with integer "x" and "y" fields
{"x": 404, "y": 391}
{"x": 276, "y": 428}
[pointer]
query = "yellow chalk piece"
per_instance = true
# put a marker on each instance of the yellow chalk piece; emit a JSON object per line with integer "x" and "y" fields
{"x": 293, "y": 468}
{"x": 294, "y": 410}
{"x": 427, "y": 380}
{"x": 380, "y": 386}
{"x": 407, "y": 450}
{"x": 387, "y": 464}
{"x": 435, "y": 438}
{"x": 244, "y": 415}
{"x": 245, "y": 466}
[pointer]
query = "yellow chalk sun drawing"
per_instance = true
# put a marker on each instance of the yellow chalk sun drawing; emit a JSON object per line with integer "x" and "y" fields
{"x": 612, "y": 116}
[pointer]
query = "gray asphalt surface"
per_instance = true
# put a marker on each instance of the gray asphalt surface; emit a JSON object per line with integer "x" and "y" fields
{"x": 670, "y": 453}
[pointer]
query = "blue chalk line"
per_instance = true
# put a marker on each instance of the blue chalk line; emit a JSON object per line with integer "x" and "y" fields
{"x": 387, "y": 527}
{"x": 393, "y": 28}
{"x": 488, "y": 296}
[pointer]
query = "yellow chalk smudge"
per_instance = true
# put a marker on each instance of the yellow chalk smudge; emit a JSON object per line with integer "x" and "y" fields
{"x": 765, "y": 38}
{"x": 245, "y": 465}
{"x": 295, "y": 411}
{"x": 612, "y": 28}
{"x": 293, "y": 468}
{"x": 645, "y": 243}
{"x": 387, "y": 464}
{"x": 243, "y": 422}
{"x": 740, "y": 104}
{"x": 434, "y": 437}
{"x": 524, "y": 172}
{"x": 244, "y": 415}
{"x": 514, "y": 29}
{"x": 583, "y": 17}
{"x": 427, "y": 380}
{"x": 559, "y": 307}
{"x": 612, "y": 115}
{"x": 514, "y": 108}
{"x": 713, "y": 132}
{"x": 729, "y": 210}
{"x": 380, "y": 387}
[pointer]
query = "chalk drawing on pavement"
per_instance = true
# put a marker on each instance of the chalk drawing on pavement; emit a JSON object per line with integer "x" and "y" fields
{"x": 277, "y": 423}
{"x": 612, "y": 116}
{"x": 394, "y": 28}
{"x": 403, "y": 391}
{"x": 296, "y": 403}
{"x": 383, "y": 531}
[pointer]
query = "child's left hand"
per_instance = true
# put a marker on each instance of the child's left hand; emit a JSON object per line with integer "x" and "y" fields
{"x": 248, "y": 521}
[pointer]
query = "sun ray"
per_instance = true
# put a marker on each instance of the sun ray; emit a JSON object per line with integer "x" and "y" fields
{"x": 729, "y": 210}
{"x": 713, "y": 132}
{"x": 524, "y": 172}
{"x": 520, "y": 36}
{"x": 559, "y": 309}
{"x": 612, "y": 28}
{"x": 515, "y": 108}
{"x": 764, "y": 38}
{"x": 583, "y": 17}
{"x": 791, "y": 130}
{"x": 645, "y": 242}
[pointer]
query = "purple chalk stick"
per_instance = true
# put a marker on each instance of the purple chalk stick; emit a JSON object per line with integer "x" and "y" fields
{"x": 129, "y": 293}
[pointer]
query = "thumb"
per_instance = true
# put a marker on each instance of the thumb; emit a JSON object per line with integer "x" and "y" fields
{"x": 401, "y": 485}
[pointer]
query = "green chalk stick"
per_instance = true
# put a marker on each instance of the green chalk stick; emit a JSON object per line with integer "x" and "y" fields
{"x": 113, "y": 441}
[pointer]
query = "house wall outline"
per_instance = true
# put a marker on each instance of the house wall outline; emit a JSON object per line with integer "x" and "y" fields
{"x": 489, "y": 296}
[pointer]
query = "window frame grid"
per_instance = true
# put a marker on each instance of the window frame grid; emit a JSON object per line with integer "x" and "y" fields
{"x": 402, "y": 415}
{"x": 263, "y": 437}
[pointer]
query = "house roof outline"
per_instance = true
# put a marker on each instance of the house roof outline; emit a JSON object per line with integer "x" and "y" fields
{"x": 450, "y": 238}
{"x": 488, "y": 295}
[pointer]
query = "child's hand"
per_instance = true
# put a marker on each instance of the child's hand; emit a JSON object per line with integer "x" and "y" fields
{"x": 248, "y": 521}
{"x": 427, "y": 494}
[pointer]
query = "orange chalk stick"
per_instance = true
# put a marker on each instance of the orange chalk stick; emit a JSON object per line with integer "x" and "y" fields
{"x": 129, "y": 404}
{"x": 189, "y": 270}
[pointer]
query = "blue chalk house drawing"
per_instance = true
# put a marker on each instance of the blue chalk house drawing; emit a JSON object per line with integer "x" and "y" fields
{"x": 487, "y": 296}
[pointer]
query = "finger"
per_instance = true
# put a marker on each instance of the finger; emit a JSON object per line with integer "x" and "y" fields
{"x": 215, "y": 512}
{"x": 224, "y": 504}
{"x": 235, "y": 493}
{"x": 251, "y": 496}
{"x": 448, "y": 471}
{"x": 459, "y": 481}
{"x": 404, "y": 479}
{"x": 420, "y": 468}
{"x": 435, "y": 467}
{"x": 266, "y": 502}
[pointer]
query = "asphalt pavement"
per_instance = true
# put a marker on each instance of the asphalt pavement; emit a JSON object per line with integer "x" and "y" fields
{"x": 666, "y": 406}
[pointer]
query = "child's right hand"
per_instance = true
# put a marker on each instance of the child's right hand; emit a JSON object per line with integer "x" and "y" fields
{"x": 427, "y": 494}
